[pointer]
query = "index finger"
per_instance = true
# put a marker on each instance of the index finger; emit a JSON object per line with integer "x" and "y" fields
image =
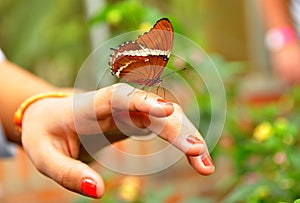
{"x": 129, "y": 98}
{"x": 100, "y": 107}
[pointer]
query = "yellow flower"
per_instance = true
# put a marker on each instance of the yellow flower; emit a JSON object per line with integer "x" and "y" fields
{"x": 262, "y": 132}
{"x": 130, "y": 189}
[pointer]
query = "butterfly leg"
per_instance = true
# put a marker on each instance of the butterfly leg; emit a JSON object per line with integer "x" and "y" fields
{"x": 160, "y": 87}
{"x": 147, "y": 91}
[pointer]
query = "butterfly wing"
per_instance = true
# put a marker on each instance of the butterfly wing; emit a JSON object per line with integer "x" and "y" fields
{"x": 143, "y": 61}
{"x": 159, "y": 38}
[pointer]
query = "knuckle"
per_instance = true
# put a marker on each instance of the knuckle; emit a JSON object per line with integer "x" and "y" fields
{"x": 66, "y": 173}
{"x": 119, "y": 85}
{"x": 117, "y": 88}
{"x": 62, "y": 175}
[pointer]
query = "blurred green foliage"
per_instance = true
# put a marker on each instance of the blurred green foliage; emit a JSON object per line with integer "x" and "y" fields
{"x": 131, "y": 15}
{"x": 264, "y": 147}
{"x": 126, "y": 15}
{"x": 48, "y": 38}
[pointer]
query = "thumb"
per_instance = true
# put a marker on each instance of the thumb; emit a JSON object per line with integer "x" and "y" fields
{"x": 72, "y": 174}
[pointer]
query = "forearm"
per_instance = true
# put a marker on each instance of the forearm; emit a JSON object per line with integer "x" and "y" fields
{"x": 16, "y": 85}
{"x": 276, "y": 13}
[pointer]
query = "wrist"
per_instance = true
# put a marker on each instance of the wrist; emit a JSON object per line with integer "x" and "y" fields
{"x": 278, "y": 38}
{"x": 18, "y": 117}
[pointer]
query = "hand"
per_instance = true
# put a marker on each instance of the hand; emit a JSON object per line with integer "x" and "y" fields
{"x": 51, "y": 127}
{"x": 286, "y": 63}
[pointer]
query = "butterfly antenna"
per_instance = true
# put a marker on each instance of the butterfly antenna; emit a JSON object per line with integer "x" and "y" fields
{"x": 157, "y": 89}
{"x": 174, "y": 71}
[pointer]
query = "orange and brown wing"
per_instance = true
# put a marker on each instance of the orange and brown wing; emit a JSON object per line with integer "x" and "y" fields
{"x": 143, "y": 61}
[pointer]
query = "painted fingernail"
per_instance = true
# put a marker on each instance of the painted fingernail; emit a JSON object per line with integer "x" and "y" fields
{"x": 206, "y": 160}
{"x": 163, "y": 102}
{"x": 89, "y": 187}
{"x": 193, "y": 140}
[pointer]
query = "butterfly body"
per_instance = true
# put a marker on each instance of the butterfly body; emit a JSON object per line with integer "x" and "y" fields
{"x": 142, "y": 61}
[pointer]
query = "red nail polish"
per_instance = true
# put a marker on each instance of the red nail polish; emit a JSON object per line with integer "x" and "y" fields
{"x": 193, "y": 140}
{"x": 89, "y": 187}
{"x": 162, "y": 101}
{"x": 206, "y": 160}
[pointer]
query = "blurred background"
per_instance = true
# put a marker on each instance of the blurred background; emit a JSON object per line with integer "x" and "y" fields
{"x": 257, "y": 158}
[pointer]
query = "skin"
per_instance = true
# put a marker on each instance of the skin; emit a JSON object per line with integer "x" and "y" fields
{"x": 50, "y": 133}
{"x": 286, "y": 61}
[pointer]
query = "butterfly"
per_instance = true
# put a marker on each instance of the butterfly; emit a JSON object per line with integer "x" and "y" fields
{"x": 142, "y": 61}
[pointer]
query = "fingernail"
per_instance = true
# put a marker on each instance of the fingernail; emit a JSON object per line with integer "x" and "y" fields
{"x": 89, "y": 187}
{"x": 193, "y": 140}
{"x": 206, "y": 160}
{"x": 163, "y": 102}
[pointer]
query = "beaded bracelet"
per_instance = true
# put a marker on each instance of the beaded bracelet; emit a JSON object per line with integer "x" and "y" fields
{"x": 21, "y": 110}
